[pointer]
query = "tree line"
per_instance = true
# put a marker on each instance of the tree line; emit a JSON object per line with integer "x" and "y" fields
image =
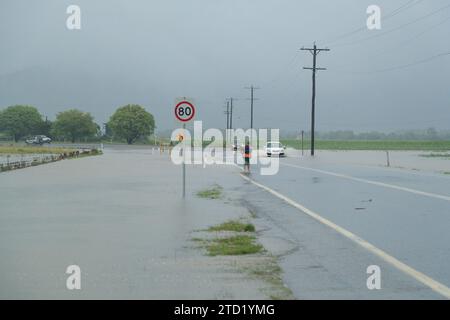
{"x": 128, "y": 123}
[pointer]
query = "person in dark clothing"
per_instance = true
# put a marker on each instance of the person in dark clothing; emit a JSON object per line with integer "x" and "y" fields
{"x": 247, "y": 156}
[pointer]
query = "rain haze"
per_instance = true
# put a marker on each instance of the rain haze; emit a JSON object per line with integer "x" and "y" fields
{"x": 109, "y": 190}
{"x": 150, "y": 52}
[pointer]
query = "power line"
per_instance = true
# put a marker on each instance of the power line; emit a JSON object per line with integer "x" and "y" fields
{"x": 405, "y": 7}
{"x": 390, "y": 49}
{"x": 281, "y": 74}
{"x": 314, "y": 51}
{"x": 393, "y": 13}
{"x": 401, "y": 43}
{"x": 393, "y": 30}
{"x": 413, "y": 63}
{"x": 404, "y": 66}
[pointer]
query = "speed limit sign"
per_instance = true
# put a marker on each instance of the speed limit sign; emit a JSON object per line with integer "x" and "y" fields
{"x": 184, "y": 111}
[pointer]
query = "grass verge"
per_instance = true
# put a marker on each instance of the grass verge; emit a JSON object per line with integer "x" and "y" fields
{"x": 241, "y": 241}
{"x": 436, "y": 155}
{"x": 270, "y": 272}
{"x": 211, "y": 193}
{"x": 254, "y": 260}
{"x": 232, "y": 246}
{"x": 371, "y": 145}
{"x": 235, "y": 226}
{"x": 33, "y": 150}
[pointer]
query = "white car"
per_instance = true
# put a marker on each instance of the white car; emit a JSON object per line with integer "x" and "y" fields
{"x": 275, "y": 149}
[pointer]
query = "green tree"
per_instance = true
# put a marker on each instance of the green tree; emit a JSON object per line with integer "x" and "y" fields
{"x": 20, "y": 121}
{"x": 45, "y": 128}
{"x": 74, "y": 124}
{"x": 131, "y": 122}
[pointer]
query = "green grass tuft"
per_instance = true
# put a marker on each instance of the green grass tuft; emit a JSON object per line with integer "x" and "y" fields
{"x": 236, "y": 245}
{"x": 211, "y": 193}
{"x": 235, "y": 226}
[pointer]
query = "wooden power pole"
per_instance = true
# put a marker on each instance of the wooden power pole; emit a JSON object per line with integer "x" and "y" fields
{"x": 314, "y": 51}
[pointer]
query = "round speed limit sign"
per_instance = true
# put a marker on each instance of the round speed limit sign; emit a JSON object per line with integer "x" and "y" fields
{"x": 184, "y": 111}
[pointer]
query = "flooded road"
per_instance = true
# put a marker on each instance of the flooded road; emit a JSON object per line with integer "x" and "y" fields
{"x": 120, "y": 217}
{"x": 405, "y": 213}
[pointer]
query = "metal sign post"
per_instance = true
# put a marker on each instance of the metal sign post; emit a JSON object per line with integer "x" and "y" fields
{"x": 184, "y": 164}
{"x": 184, "y": 112}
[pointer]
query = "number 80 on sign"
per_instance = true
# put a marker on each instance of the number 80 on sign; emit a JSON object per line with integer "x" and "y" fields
{"x": 184, "y": 111}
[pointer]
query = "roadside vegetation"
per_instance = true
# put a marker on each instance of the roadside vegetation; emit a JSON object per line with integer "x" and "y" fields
{"x": 419, "y": 145}
{"x": 235, "y": 242}
{"x": 74, "y": 125}
{"x": 232, "y": 225}
{"x": 436, "y": 155}
{"x": 129, "y": 124}
{"x": 231, "y": 238}
{"x": 236, "y": 238}
{"x": 6, "y": 149}
{"x": 270, "y": 272}
{"x": 233, "y": 246}
{"x": 214, "y": 192}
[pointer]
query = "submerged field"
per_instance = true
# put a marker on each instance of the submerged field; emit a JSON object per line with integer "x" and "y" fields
{"x": 370, "y": 145}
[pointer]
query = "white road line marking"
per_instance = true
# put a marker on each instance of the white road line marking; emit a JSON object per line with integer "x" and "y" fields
{"x": 424, "y": 279}
{"x": 376, "y": 183}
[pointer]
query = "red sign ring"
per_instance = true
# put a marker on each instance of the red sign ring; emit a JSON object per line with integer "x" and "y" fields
{"x": 192, "y": 108}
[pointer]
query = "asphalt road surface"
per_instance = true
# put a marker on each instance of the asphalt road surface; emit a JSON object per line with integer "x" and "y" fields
{"x": 404, "y": 213}
{"x": 120, "y": 217}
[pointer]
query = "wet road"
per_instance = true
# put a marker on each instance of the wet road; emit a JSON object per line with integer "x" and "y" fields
{"x": 121, "y": 219}
{"x": 404, "y": 213}
{"x": 119, "y": 216}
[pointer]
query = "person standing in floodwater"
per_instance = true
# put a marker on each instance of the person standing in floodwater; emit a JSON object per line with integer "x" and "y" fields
{"x": 247, "y": 156}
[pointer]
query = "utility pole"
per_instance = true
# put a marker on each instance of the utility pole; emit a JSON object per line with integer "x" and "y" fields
{"x": 303, "y": 133}
{"x": 228, "y": 115}
{"x": 228, "y": 118}
{"x": 314, "y": 51}
{"x": 231, "y": 113}
{"x": 230, "y": 103}
{"x": 252, "y": 99}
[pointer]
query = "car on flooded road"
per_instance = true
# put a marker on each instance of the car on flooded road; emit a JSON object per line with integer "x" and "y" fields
{"x": 275, "y": 149}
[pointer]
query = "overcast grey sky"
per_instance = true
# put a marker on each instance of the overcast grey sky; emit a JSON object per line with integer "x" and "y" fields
{"x": 150, "y": 52}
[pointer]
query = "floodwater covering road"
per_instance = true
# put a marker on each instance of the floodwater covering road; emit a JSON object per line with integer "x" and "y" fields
{"x": 120, "y": 217}
{"x": 402, "y": 212}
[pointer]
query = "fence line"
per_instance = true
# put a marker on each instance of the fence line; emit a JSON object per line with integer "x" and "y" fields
{"x": 36, "y": 160}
